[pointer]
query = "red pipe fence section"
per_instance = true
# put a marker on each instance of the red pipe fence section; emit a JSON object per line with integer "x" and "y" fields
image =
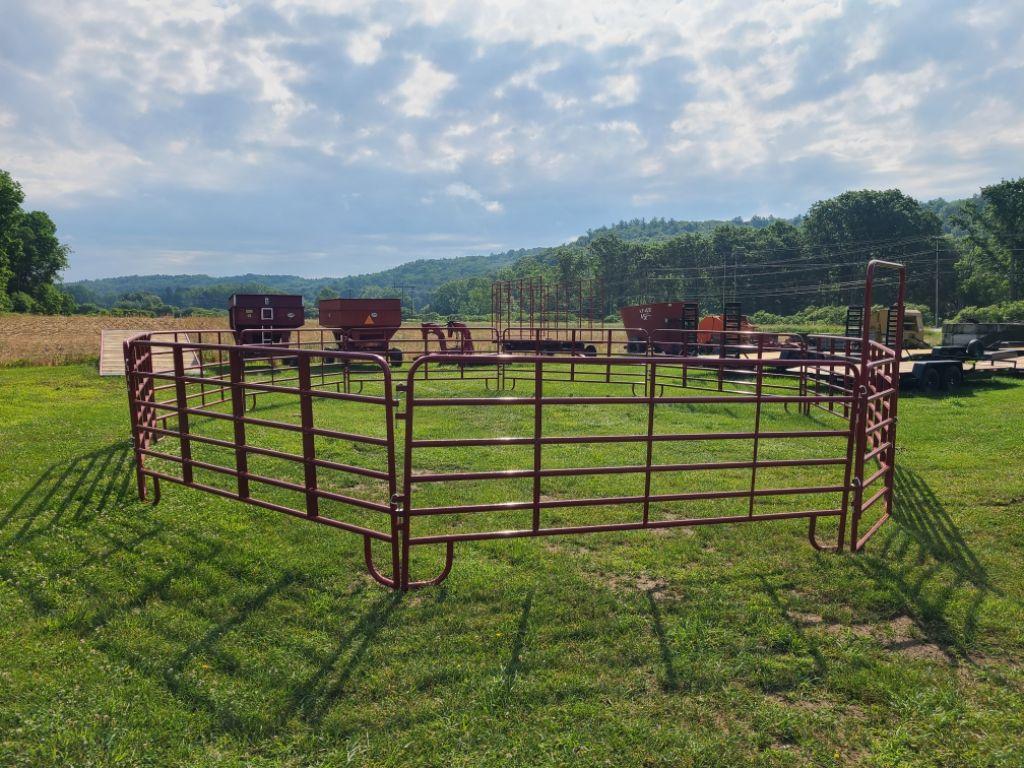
{"x": 576, "y": 437}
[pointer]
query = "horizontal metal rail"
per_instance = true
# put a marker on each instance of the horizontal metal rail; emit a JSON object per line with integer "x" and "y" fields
{"x": 851, "y": 380}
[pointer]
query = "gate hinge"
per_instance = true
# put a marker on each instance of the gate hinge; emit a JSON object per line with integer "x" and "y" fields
{"x": 396, "y": 504}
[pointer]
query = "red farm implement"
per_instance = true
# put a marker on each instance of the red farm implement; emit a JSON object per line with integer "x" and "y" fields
{"x": 264, "y": 318}
{"x": 364, "y": 325}
{"x": 757, "y": 432}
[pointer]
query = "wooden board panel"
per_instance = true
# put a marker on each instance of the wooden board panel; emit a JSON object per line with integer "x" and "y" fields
{"x": 112, "y": 354}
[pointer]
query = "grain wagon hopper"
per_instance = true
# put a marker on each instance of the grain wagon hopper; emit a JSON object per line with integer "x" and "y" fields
{"x": 262, "y": 318}
{"x": 364, "y": 325}
{"x": 669, "y": 327}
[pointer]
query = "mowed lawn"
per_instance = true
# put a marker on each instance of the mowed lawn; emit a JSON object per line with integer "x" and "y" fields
{"x": 205, "y": 632}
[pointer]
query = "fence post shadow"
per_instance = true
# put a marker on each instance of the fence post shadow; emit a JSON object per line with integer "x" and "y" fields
{"x": 514, "y": 665}
{"x": 312, "y": 699}
{"x": 671, "y": 677}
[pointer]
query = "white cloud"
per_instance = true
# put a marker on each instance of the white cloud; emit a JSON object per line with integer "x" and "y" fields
{"x": 618, "y": 90}
{"x": 595, "y": 105}
{"x": 866, "y": 47}
{"x": 423, "y": 88}
{"x": 466, "y": 192}
{"x": 644, "y": 199}
{"x": 366, "y": 46}
{"x": 64, "y": 172}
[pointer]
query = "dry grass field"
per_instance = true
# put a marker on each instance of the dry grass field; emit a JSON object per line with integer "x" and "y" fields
{"x": 58, "y": 339}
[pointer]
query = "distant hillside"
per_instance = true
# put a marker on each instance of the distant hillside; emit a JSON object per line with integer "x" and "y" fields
{"x": 646, "y": 230}
{"x": 415, "y": 282}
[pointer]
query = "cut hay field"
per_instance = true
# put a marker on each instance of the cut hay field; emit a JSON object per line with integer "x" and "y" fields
{"x": 59, "y": 339}
{"x": 63, "y": 339}
{"x": 204, "y": 632}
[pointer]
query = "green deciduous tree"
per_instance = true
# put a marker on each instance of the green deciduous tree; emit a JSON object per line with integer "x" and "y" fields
{"x": 41, "y": 257}
{"x": 31, "y": 256}
{"x": 11, "y": 198}
{"x": 995, "y": 233}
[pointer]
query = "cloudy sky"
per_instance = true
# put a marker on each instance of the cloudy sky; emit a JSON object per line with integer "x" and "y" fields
{"x": 329, "y": 137}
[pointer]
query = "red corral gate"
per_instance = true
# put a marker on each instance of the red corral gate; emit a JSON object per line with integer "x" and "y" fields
{"x": 304, "y": 428}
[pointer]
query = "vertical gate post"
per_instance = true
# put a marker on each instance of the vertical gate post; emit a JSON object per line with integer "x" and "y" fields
{"x": 758, "y": 393}
{"x": 237, "y": 378}
{"x": 131, "y": 358}
{"x": 395, "y": 505}
{"x": 653, "y": 376}
{"x": 538, "y": 431}
{"x": 308, "y": 439}
{"x": 401, "y": 528}
{"x": 181, "y": 394}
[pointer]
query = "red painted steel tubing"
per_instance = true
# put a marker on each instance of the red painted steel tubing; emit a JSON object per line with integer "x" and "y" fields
{"x": 611, "y": 527}
{"x": 856, "y": 384}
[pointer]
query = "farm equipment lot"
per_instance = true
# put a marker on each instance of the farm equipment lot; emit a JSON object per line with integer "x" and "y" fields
{"x": 202, "y": 631}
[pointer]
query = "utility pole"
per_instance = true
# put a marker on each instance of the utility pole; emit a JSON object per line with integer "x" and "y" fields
{"x": 937, "y": 282}
{"x": 735, "y": 266}
{"x": 725, "y": 276}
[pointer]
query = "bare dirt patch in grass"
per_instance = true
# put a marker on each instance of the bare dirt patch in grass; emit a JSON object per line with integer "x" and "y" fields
{"x": 898, "y": 635}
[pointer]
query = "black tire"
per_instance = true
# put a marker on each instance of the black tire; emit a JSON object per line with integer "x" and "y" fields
{"x": 952, "y": 378}
{"x": 931, "y": 380}
{"x": 395, "y": 356}
{"x": 590, "y": 350}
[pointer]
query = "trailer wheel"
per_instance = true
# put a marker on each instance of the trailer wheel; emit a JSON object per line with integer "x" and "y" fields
{"x": 590, "y": 350}
{"x": 953, "y": 378}
{"x": 931, "y": 381}
{"x": 395, "y": 356}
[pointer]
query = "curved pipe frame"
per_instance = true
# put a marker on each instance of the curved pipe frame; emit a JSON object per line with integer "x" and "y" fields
{"x": 816, "y": 543}
{"x": 405, "y": 583}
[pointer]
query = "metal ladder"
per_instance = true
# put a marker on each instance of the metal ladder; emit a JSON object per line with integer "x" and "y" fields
{"x": 854, "y": 322}
{"x": 892, "y": 326}
{"x": 732, "y": 320}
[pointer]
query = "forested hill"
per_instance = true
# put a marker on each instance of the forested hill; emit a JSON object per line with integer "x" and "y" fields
{"x": 771, "y": 264}
{"x": 662, "y": 229}
{"x": 415, "y": 281}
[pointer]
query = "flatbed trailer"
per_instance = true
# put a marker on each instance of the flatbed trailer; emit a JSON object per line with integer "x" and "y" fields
{"x": 948, "y": 368}
{"x": 942, "y": 367}
{"x": 550, "y": 345}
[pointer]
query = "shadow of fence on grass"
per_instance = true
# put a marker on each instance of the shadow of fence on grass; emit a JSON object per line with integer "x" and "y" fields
{"x": 99, "y": 558}
{"x": 71, "y": 492}
{"x": 928, "y": 564}
{"x": 515, "y": 661}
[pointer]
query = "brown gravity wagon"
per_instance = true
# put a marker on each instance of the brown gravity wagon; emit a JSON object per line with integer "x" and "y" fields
{"x": 264, "y": 318}
{"x": 364, "y": 325}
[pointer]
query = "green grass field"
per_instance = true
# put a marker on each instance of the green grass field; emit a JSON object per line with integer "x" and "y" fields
{"x": 205, "y": 632}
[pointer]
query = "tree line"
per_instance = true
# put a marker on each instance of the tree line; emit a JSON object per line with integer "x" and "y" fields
{"x": 972, "y": 249}
{"x": 31, "y": 256}
{"x": 968, "y": 253}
